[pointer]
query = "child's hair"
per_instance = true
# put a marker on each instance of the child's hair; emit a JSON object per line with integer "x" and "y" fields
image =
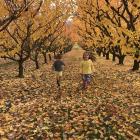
{"x": 85, "y": 54}
{"x": 90, "y": 55}
{"x": 58, "y": 56}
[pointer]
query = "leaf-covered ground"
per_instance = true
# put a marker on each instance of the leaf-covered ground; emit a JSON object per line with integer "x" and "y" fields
{"x": 33, "y": 108}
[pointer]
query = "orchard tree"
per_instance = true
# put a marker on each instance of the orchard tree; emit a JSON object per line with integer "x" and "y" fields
{"x": 49, "y": 31}
{"x": 11, "y": 10}
{"x": 115, "y": 22}
{"x": 16, "y": 39}
{"x": 57, "y": 30}
{"x": 33, "y": 32}
{"x": 127, "y": 14}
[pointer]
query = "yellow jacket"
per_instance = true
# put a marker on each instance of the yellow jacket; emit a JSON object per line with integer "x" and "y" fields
{"x": 86, "y": 67}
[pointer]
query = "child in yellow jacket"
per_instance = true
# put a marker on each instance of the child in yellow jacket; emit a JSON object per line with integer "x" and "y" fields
{"x": 86, "y": 69}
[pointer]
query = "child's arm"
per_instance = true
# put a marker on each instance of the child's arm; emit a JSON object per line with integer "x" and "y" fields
{"x": 53, "y": 66}
{"x": 63, "y": 65}
{"x": 81, "y": 68}
{"x": 92, "y": 67}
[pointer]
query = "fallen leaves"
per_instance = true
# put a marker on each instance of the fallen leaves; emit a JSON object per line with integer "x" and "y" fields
{"x": 31, "y": 108}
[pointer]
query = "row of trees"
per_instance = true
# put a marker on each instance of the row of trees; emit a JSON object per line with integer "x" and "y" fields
{"x": 37, "y": 29}
{"x": 112, "y": 27}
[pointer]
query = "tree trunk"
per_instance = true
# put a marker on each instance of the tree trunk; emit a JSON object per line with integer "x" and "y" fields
{"x": 107, "y": 55}
{"x": 121, "y": 59}
{"x": 99, "y": 53}
{"x": 114, "y": 57}
{"x": 135, "y": 65}
{"x": 50, "y": 58}
{"x": 45, "y": 58}
{"x": 54, "y": 54}
{"x": 21, "y": 69}
{"x": 36, "y": 62}
{"x": 104, "y": 52}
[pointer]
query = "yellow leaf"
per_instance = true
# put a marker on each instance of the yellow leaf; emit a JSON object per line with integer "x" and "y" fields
{"x": 2, "y": 132}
